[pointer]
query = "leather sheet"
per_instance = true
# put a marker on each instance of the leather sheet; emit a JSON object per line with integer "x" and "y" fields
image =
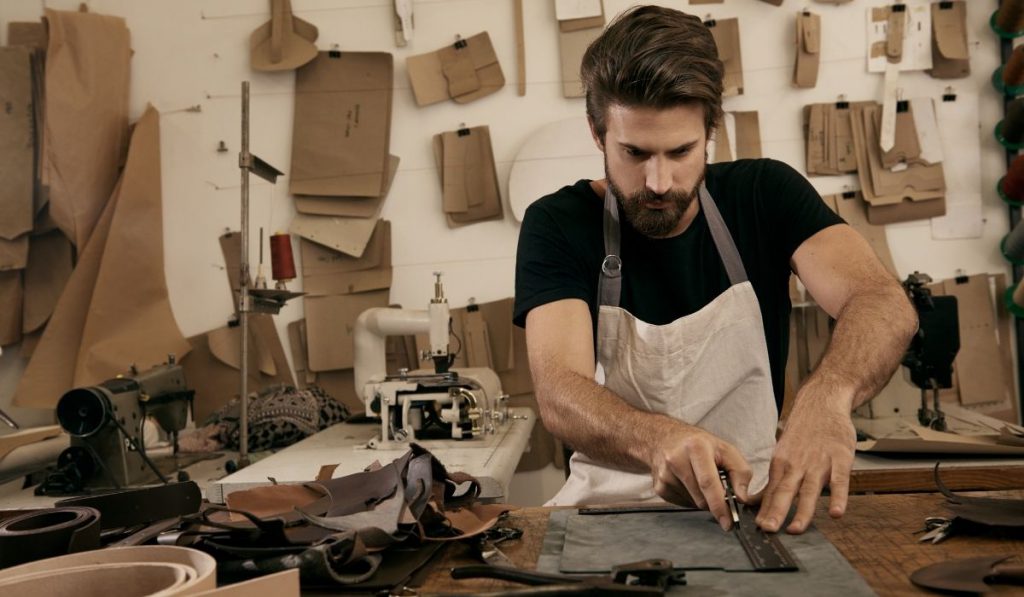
{"x": 823, "y": 570}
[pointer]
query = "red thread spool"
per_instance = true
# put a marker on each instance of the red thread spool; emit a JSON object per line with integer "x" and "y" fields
{"x": 1013, "y": 183}
{"x": 282, "y": 263}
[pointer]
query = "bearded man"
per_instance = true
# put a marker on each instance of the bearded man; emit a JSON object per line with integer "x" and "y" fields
{"x": 656, "y": 301}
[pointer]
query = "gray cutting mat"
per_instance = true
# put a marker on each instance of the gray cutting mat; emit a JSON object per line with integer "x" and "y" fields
{"x": 823, "y": 570}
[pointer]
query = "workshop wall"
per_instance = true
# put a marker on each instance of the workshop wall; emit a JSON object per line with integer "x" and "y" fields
{"x": 190, "y": 53}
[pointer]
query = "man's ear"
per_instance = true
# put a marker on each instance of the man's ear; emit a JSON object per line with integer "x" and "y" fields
{"x": 594, "y": 135}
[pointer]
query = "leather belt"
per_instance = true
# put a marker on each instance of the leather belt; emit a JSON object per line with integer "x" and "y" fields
{"x": 136, "y": 507}
{"x": 123, "y": 571}
{"x": 48, "y": 533}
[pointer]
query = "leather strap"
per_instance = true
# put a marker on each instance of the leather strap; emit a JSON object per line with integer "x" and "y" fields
{"x": 610, "y": 283}
{"x": 48, "y": 533}
{"x": 136, "y": 507}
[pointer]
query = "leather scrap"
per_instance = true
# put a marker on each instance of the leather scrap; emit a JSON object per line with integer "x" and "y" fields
{"x": 47, "y": 533}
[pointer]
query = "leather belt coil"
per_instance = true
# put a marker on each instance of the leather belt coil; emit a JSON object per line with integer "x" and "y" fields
{"x": 48, "y": 533}
{"x": 150, "y": 570}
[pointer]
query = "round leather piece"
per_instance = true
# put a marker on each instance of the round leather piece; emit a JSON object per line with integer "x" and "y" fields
{"x": 149, "y": 570}
{"x": 48, "y": 533}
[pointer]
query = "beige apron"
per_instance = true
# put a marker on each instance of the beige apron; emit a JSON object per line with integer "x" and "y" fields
{"x": 709, "y": 369}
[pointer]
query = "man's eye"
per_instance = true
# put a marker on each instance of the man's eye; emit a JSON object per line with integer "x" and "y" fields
{"x": 632, "y": 152}
{"x": 681, "y": 152}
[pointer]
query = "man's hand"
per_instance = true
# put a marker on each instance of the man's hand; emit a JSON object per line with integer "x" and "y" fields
{"x": 684, "y": 468}
{"x": 815, "y": 450}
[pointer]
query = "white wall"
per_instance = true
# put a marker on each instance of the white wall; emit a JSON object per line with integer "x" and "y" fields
{"x": 190, "y": 52}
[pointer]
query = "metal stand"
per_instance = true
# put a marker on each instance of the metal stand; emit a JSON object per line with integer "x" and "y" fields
{"x": 250, "y": 299}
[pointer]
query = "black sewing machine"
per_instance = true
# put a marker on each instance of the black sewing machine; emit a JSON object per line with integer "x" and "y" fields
{"x": 105, "y": 423}
{"x": 934, "y": 347}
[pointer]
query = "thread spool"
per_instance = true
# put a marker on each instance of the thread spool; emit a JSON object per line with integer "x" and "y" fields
{"x": 1010, "y": 16}
{"x": 1012, "y": 186}
{"x": 1010, "y": 130}
{"x": 1018, "y": 296}
{"x": 282, "y": 263}
{"x": 1013, "y": 245}
{"x": 1013, "y": 72}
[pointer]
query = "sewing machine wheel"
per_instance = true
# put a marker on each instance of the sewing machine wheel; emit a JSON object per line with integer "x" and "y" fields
{"x": 83, "y": 411}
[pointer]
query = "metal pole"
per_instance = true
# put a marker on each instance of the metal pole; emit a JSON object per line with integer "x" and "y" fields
{"x": 243, "y": 296}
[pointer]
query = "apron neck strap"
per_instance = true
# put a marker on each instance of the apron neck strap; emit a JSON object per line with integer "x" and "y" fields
{"x": 610, "y": 283}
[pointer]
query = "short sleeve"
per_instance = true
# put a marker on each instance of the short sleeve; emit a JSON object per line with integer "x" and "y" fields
{"x": 797, "y": 210}
{"x": 548, "y": 269}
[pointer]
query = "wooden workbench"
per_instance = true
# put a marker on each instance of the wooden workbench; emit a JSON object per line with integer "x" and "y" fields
{"x": 876, "y": 536}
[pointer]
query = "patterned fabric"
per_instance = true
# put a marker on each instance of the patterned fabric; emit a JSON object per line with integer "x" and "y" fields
{"x": 279, "y": 416}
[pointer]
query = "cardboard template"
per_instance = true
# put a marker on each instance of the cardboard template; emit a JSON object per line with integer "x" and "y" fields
{"x": 17, "y": 143}
{"x": 727, "y": 37}
{"x": 86, "y": 133}
{"x": 114, "y": 310}
{"x": 350, "y": 207}
{"x": 950, "y": 51}
{"x": 330, "y": 322}
{"x": 471, "y": 180}
{"x": 325, "y": 271}
{"x": 808, "y": 50}
{"x": 465, "y": 71}
{"x": 342, "y": 125}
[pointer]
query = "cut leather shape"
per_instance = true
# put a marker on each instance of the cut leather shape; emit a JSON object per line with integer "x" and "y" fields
{"x": 969, "y": 575}
{"x": 950, "y": 51}
{"x": 47, "y": 533}
{"x": 1001, "y": 512}
{"x": 808, "y": 50}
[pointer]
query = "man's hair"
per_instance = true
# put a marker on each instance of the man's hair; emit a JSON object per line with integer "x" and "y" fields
{"x": 653, "y": 57}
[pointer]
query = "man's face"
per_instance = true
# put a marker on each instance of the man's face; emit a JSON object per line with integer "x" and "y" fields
{"x": 654, "y": 160}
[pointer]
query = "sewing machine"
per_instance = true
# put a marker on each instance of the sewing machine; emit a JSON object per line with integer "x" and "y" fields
{"x": 928, "y": 366}
{"x": 441, "y": 403}
{"x": 105, "y": 423}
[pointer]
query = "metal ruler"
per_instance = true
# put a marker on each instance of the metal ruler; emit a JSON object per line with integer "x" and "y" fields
{"x": 765, "y": 550}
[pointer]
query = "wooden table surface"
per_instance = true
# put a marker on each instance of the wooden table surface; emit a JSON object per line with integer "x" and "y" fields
{"x": 876, "y": 536}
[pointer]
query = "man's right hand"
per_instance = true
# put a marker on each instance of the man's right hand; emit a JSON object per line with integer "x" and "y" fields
{"x": 684, "y": 468}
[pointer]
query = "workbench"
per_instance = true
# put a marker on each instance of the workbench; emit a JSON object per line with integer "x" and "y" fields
{"x": 876, "y": 536}
{"x": 491, "y": 458}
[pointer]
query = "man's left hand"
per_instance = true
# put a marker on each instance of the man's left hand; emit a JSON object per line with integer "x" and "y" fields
{"x": 816, "y": 449}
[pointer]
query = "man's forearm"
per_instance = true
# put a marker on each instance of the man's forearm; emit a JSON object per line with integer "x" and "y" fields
{"x": 597, "y": 422}
{"x": 871, "y": 335}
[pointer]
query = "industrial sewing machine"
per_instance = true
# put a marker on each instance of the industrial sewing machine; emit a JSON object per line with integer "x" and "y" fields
{"x": 105, "y": 423}
{"x": 441, "y": 403}
{"x": 928, "y": 361}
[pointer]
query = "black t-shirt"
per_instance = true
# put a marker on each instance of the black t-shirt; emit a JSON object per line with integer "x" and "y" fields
{"x": 769, "y": 208}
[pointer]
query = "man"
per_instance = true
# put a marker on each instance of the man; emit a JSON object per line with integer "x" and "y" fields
{"x": 688, "y": 297}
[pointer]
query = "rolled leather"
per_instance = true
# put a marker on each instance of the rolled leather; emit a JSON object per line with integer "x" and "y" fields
{"x": 48, "y": 533}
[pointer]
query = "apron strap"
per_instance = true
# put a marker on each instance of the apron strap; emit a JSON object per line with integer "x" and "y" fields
{"x": 610, "y": 283}
{"x": 723, "y": 240}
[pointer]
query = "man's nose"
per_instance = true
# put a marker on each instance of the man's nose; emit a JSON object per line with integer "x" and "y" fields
{"x": 659, "y": 175}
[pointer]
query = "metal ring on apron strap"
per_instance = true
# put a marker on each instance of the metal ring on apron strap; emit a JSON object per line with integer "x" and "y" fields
{"x": 612, "y": 266}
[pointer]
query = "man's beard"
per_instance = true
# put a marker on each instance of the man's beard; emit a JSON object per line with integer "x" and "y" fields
{"x": 654, "y": 222}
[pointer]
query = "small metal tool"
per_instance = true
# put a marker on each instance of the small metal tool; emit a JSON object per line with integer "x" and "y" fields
{"x": 937, "y": 528}
{"x": 730, "y": 498}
